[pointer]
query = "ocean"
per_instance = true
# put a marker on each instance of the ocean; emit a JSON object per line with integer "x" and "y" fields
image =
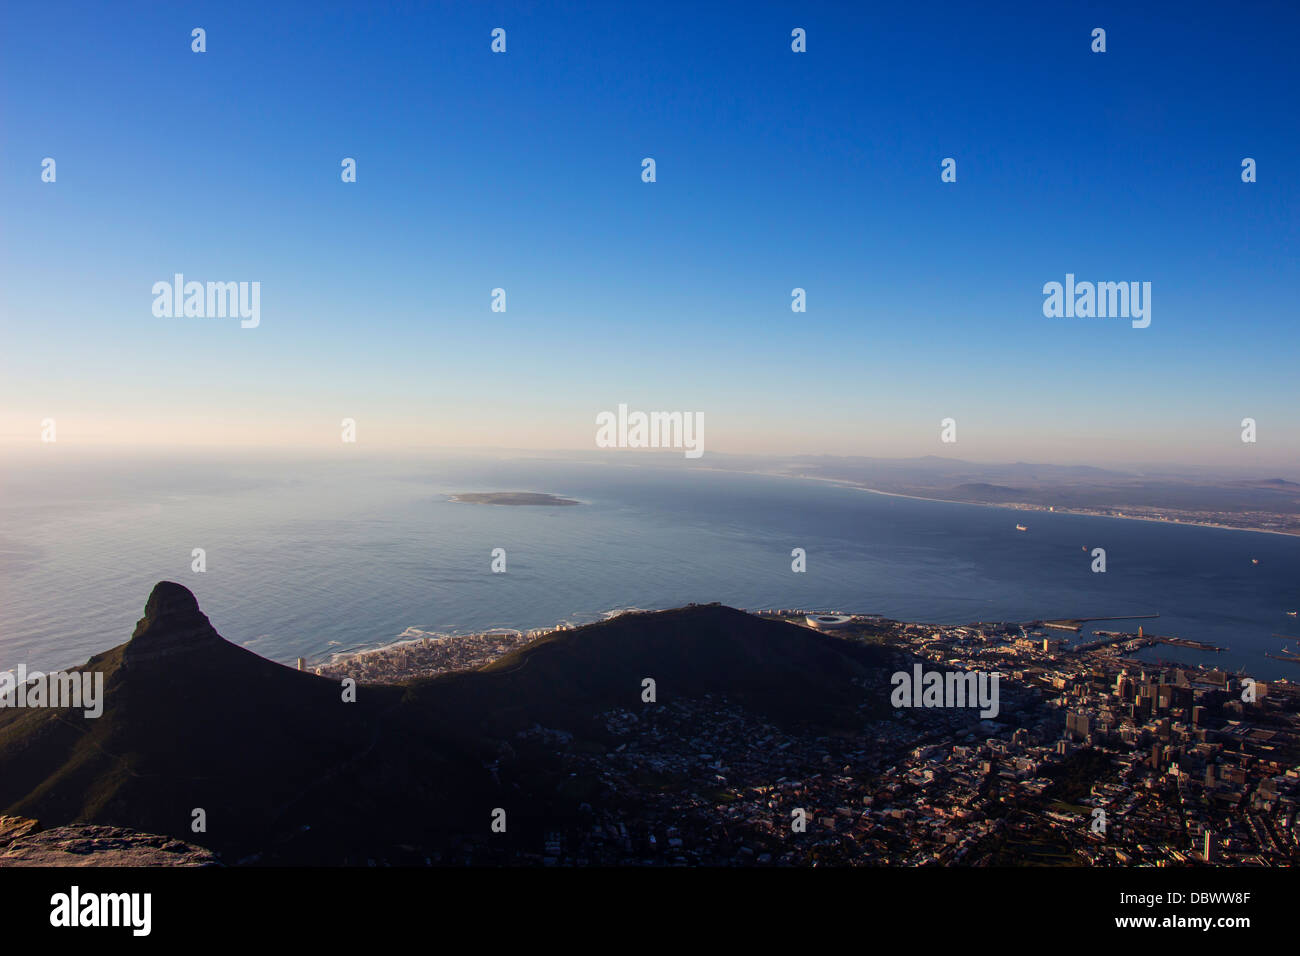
{"x": 311, "y": 558}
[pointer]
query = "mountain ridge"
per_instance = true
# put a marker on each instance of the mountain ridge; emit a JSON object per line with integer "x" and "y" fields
{"x": 282, "y": 767}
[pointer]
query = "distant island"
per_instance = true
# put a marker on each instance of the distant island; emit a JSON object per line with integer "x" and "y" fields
{"x": 511, "y": 498}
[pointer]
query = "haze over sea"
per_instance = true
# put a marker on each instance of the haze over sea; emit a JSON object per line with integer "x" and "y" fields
{"x": 312, "y": 558}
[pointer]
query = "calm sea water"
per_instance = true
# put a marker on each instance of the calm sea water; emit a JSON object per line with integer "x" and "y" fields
{"x": 310, "y": 559}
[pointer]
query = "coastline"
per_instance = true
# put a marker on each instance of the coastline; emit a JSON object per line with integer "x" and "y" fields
{"x": 1018, "y": 506}
{"x": 426, "y": 657}
{"x": 415, "y": 640}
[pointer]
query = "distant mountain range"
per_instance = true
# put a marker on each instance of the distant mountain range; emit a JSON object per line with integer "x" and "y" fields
{"x": 1070, "y": 485}
{"x": 1192, "y": 496}
{"x": 1227, "y": 497}
{"x": 284, "y": 770}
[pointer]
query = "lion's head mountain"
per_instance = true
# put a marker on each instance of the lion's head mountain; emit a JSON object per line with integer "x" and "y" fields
{"x": 284, "y": 769}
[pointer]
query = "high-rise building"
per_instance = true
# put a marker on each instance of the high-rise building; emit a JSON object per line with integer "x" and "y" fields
{"x": 1124, "y": 686}
{"x": 1210, "y": 848}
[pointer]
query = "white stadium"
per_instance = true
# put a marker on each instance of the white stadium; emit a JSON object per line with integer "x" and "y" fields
{"x": 828, "y": 622}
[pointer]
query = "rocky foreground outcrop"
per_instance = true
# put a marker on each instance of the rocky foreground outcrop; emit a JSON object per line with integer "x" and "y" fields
{"x": 24, "y": 843}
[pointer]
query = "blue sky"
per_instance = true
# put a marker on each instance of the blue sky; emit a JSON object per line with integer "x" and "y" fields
{"x": 774, "y": 170}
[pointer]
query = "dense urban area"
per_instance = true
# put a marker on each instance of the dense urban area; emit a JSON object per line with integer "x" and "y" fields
{"x": 1094, "y": 758}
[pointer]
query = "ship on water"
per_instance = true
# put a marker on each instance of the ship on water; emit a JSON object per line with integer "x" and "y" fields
{"x": 1021, "y": 527}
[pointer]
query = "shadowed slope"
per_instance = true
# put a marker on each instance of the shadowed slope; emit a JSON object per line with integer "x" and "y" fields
{"x": 281, "y": 764}
{"x": 190, "y": 721}
{"x": 790, "y": 674}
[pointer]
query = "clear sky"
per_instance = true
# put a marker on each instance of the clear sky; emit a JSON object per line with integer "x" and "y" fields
{"x": 775, "y": 170}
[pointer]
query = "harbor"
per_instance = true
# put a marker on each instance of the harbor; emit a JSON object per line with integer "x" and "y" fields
{"x": 1132, "y": 642}
{"x": 1075, "y": 624}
